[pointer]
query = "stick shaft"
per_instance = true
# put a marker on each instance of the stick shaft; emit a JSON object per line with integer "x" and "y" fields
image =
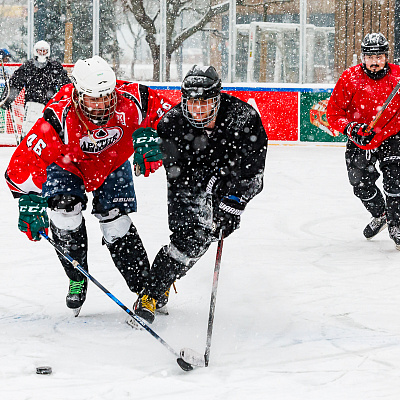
{"x": 108, "y": 293}
{"x": 213, "y": 299}
{"x": 383, "y": 108}
{"x": 15, "y": 126}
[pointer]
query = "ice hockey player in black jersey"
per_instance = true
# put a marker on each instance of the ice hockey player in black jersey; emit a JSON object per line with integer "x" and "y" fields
{"x": 42, "y": 78}
{"x": 214, "y": 149}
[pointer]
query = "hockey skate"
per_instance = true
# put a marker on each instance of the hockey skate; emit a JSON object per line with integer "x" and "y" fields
{"x": 376, "y": 225}
{"x": 145, "y": 308}
{"x": 161, "y": 303}
{"x": 76, "y": 295}
{"x": 394, "y": 233}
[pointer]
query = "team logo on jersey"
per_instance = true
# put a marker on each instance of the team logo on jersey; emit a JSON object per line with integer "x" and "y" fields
{"x": 120, "y": 116}
{"x": 101, "y": 139}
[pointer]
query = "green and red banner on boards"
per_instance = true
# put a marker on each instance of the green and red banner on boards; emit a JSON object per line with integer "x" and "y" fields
{"x": 288, "y": 113}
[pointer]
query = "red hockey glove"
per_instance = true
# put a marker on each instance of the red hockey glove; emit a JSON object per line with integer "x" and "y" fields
{"x": 148, "y": 157}
{"x": 33, "y": 215}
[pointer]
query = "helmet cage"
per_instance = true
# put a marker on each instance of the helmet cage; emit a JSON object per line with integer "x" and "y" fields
{"x": 94, "y": 82}
{"x": 214, "y": 102}
{"x": 41, "y": 51}
{"x": 101, "y": 109}
{"x": 201, "y": 84}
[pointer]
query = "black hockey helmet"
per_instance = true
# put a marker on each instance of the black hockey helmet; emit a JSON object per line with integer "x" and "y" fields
{"x": 374, "y": 43}
{"x": 201, "y": 83}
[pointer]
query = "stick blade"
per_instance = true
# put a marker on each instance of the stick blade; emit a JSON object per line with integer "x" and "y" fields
{"x": 184, "y": 365}
{"x": 193, "y": 357}
{"x": 133, "y": 323}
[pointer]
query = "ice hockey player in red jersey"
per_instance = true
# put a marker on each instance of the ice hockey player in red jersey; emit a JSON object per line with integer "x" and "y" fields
{"x": 356, "y": 99}
{"x": 82, "y": 144}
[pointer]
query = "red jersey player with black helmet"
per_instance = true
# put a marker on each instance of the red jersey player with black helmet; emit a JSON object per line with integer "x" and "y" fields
{"x": 357, "y": 97}
{"x": 82, "y": 144}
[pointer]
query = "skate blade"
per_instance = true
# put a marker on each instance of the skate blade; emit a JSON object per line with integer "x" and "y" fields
{"x": 162, "y": 310}
{"x": 76, "y": 311}
{"x": 133, "y": 324}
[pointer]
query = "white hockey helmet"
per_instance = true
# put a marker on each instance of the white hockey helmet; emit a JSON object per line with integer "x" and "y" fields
{"x": 94, "y": 78}
{"x": 41, "y": 51}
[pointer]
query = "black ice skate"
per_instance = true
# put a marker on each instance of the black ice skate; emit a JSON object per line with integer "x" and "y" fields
{"x": 76, "y": 295}
{"x": 376, "y": 225}
{"x": 161, "y": 303}
{"x": 394, "y": 233}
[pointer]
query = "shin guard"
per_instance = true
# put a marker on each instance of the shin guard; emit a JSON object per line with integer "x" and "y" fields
{"x": 75, "y": 243}
{"x": 130, "y": 257}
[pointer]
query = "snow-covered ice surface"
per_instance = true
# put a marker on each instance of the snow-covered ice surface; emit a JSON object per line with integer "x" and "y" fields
{"x": 306, "y": 307}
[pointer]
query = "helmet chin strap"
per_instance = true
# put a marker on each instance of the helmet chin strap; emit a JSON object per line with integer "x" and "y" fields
{"x": 78, "y": 113}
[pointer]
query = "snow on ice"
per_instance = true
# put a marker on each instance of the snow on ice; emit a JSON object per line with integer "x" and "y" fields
{"x": 306, "y": 307}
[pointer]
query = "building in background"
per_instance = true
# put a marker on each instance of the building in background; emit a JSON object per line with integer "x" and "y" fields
{"x": 267, "y": 36}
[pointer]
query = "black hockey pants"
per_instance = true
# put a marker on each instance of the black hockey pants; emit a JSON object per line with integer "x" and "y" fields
{"x": 190, "y": 221}
{"x": 363, "y": 174}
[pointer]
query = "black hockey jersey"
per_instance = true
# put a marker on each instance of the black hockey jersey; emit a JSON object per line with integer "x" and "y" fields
{"x": 41, "y": 84}
{"x": 234, "y": 151}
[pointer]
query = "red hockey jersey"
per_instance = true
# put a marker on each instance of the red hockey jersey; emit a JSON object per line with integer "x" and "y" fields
{"x": 64, "y": 137}
{"x": 356, "y": 97}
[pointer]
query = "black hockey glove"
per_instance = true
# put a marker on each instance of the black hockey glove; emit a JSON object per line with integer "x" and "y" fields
{"x": 217, "y": 185}
{"x": 357, "y": 133}
{"x": 227, "y": 216}
{"x": 354, "y": 128}
{"x": 212, "y": 185}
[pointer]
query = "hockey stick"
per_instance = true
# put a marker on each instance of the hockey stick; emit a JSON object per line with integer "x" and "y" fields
{"x": 11, "y": 110}
{"x": 15, "y": 127}
{"x": 184, "y": 365}
{"x": 6, "y": 82}
{"x": 383, "y": 108}
{"x": 188, "y": 355}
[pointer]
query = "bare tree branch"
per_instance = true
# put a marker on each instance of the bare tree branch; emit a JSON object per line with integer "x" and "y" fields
{"x": 175, "y": 9}
{"x": 185, "y": 34}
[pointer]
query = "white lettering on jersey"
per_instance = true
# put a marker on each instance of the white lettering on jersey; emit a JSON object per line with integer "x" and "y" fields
{"x": 101, "y": 139}
{"x": 120, "y": 116}
{"x": 39, "y": 145}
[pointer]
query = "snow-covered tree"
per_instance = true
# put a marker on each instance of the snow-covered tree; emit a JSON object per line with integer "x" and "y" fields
{"x": 147, "y": 15}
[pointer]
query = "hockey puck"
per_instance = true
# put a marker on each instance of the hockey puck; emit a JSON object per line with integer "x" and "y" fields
{"x": 184, "y": 365}
{"x": 44, "y": 370}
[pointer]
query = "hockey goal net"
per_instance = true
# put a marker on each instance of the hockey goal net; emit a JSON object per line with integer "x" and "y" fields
{"x": 8, "y": 128}
{"x": 11, "y": 120}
